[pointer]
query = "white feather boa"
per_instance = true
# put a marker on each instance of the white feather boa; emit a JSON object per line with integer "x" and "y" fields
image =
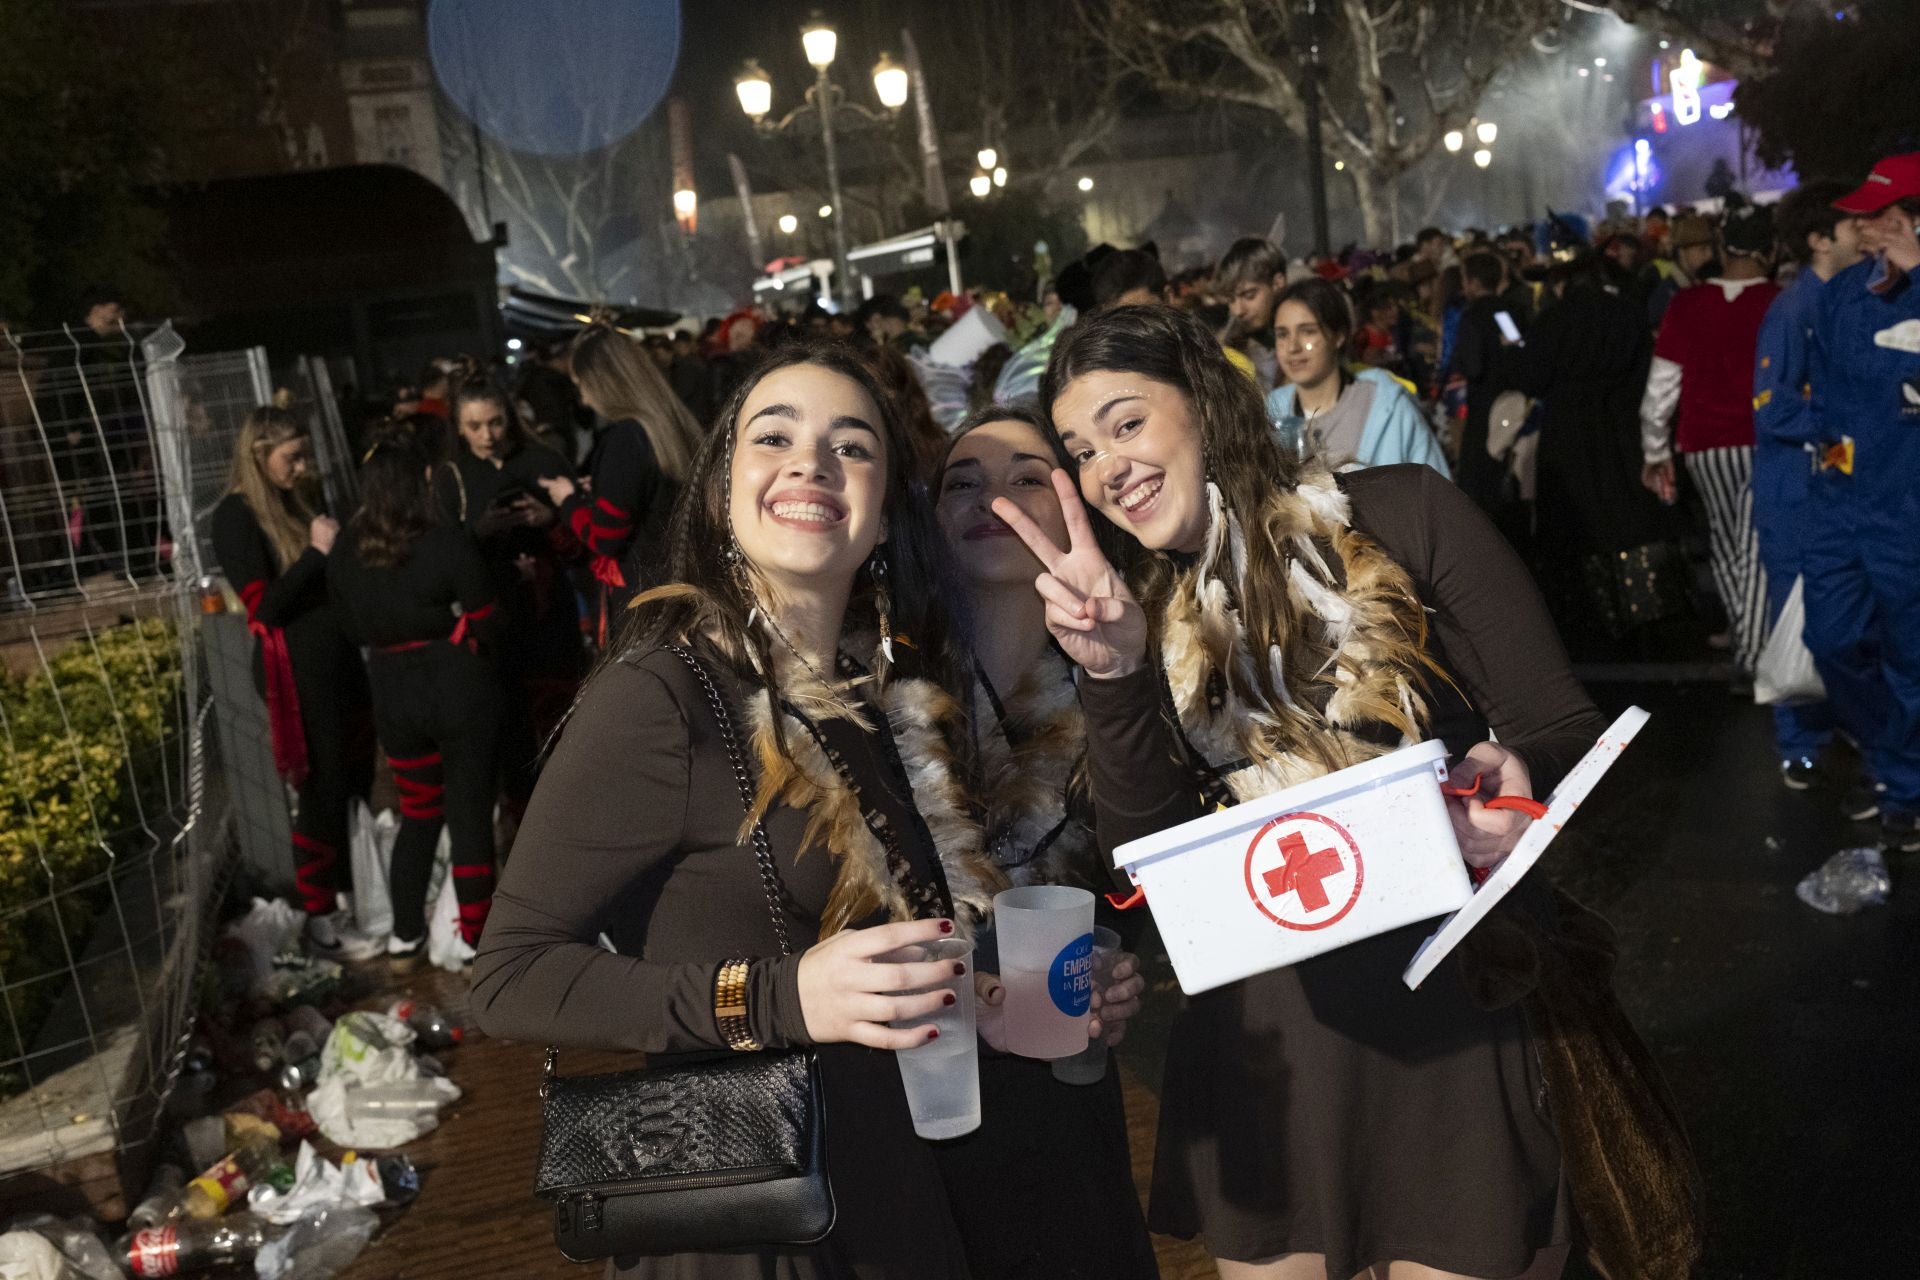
{"x": 1369, "y": 660}
{"x": 921, "y": 715}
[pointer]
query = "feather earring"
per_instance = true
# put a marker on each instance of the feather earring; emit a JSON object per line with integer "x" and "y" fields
{"x": 882, "y": 602}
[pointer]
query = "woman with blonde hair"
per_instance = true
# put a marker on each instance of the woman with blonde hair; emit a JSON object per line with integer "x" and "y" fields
{"x": 272, "y": 542}
{"x": 641, "y": 456}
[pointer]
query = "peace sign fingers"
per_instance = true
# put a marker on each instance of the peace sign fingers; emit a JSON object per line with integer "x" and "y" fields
{"x": 1030, "y": 533}
{"x": 1079, "y": 528}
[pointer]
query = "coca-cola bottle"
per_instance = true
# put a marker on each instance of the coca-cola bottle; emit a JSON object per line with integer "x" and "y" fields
{"x": 432, "y": 1028}
{"x": 185, "y": 1245}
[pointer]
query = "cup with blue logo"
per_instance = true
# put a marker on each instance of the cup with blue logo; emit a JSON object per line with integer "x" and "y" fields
{"x": 1046, "y": 963}
{"x": 1089, "y": 1066}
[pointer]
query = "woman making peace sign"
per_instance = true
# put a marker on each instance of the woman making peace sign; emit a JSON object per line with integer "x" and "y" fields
{"x": 1321, "y": 1120}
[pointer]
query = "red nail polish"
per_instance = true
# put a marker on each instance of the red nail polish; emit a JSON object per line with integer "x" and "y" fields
{"x": 946, "y": 926}
{"x": 949, "y": 998}
{"x": 933, "y": 1033}
{"x": 959, "y": 969}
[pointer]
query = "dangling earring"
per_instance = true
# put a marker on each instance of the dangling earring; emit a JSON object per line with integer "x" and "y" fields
{"x": 882, "y": 602}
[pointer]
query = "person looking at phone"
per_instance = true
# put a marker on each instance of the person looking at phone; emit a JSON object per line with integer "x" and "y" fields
{"x": 1487, "y": 356}
{"x": 491, "y": 486}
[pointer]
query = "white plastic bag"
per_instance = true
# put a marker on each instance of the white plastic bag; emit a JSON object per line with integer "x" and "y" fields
{"x": 1786, "y": 674}
{"x": 319, "y": 1246}
{"x": 369, "y": 1048}
{"x": 371, "y": 845}
{"x": 446, "y": 949}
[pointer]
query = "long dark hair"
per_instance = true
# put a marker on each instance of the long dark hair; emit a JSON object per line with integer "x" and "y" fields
{"x": 396, "y": 503}
{"x": 980, "y": 418}
{"x": 1244, "y": 458}
{"x": 708, "y": 598}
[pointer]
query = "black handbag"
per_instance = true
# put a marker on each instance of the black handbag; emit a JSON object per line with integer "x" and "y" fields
{"x": 722, "y": 1154}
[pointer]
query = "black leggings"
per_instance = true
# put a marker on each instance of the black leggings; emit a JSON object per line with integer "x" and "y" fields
{"x": 334, "y": 718}
{"x": 439, "y": 711}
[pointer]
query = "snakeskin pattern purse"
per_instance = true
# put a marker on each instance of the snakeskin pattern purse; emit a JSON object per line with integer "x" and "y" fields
{"x": 723, "y": 1154}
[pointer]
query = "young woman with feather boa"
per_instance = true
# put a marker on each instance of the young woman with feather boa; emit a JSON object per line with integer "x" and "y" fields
{"x": 801, "y": 564}
{"x": 1271, "y": 624}
{"x": 1040, "y": 1142}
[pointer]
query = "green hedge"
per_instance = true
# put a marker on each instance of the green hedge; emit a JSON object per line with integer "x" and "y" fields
{"x": 61, "y": 790}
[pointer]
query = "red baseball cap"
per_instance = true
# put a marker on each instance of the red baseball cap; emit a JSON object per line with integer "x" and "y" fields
{"x": 1894, "y": 178}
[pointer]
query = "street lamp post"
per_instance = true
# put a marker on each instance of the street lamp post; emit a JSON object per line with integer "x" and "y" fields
{"x": 891, "y": 85}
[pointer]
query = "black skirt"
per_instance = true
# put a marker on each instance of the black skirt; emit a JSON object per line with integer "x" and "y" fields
{"x": 1043, "y": 1189}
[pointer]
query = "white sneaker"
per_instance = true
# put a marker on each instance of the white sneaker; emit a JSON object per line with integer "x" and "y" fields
{"x": 404, "y": 955}
{"x": 335, "y": 936}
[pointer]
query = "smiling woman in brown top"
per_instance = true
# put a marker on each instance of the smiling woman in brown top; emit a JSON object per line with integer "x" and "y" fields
{"x": 1320, "y": 1121}
{"x": 801, "y": 567}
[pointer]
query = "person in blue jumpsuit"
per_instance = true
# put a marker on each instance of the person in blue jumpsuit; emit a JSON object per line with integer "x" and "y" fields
{"x": 1862, "y": 558}
{"x": 1825, "y": 242}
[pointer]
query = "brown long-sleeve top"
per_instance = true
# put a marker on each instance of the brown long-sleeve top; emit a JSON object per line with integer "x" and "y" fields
{"x": 1489, "y": 630}
{"x": 634, "y": 832}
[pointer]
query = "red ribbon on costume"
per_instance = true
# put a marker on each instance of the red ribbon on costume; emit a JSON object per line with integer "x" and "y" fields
{"x": 283, "y": 697}
{"x": 464, "y": 624}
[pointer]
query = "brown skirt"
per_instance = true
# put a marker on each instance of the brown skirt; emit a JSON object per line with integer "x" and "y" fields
{"x": 1324, "y": 1108}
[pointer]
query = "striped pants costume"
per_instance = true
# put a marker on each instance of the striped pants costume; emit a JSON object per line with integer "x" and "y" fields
{"x": 1725, "y": 480}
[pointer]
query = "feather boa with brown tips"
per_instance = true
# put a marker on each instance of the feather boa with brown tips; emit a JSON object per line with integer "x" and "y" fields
{"x": 1355, "y": 657}
{"x": 922, "y": 717}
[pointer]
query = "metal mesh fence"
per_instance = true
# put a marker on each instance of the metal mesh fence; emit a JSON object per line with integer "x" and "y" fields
{"x": 134, "y": 758}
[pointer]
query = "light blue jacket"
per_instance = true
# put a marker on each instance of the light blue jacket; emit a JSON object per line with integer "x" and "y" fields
{"x": 1395, "y": 431}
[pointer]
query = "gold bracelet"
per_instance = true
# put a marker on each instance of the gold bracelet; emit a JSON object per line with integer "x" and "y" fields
{"x": 730, "y": 1006}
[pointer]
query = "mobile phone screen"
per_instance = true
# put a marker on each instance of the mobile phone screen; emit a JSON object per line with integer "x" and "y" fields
{"x": 1508, "y": 329}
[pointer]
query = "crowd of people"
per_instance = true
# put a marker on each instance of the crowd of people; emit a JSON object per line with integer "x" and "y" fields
{"x": 921, "y": 618}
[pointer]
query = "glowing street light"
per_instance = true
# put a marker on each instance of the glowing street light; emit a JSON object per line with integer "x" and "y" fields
{"x": 1600, "y": 62}
{"x": 1000, "y": 175}
{"x": 788, "y": 224}
{"x": 685, "y": 205}
{"x": 1339, "y": 166}
{"x": 755, "y": 90}
{"x": 1085, "y": 184}
{"x": 988, "y": 158}
{"x": 820, "y": 41}
{"x": 1487, "y": 131}
{"x": 980, "y": 184}
{"x": 1454, "y": 139}
{"x": 1483, "y": 157}
{"x": 890, "y": 83}
{"x": 826, "y": 211}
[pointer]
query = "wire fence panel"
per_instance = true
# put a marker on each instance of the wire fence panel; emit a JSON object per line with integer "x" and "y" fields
{"x": 134, "y": 756}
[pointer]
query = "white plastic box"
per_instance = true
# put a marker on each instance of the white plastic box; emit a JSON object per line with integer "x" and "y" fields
{"x": 1276, "y": 880}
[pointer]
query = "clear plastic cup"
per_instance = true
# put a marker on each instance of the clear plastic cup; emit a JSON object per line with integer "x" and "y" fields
{"x": 942, "y": 1076}
{"x": 1046, "y": 963}
{"x": 1089, "y": 1066}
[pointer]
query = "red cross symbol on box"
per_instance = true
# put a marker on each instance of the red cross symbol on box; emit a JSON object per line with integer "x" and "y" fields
{"x": 1304, "y": 871}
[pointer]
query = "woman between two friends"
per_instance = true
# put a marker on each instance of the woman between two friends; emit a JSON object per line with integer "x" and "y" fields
{"x": 1258, "y": 625}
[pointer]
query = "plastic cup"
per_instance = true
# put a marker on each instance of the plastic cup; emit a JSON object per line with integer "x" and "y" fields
{"x": 1089, "y": 1066}
{"x": 942, "y": 1076}
{"x": 1046, "y": 962}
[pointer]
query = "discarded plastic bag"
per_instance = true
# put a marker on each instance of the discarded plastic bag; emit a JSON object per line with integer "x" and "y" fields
{"x": 319, "y": 1184}
{"x": 373, "y": 1049}
{"x": 1848, "y": 882}
{"x": 371, "y": 845}
{"x": 268, "y": 929}
{"x": 319, "y": 1246}
{"x": 1785, "y": 674}
{"x": 446, "y": 949}
{"x": 39, "y": 1246}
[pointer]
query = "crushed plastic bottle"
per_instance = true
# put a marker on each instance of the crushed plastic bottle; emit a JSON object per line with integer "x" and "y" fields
{"x": 433, "y": 1028}
{"x": 1849, "y": 881}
